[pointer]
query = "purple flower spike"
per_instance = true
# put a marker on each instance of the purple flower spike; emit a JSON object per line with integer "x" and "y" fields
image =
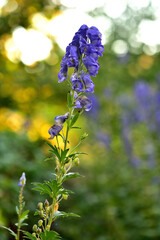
{"x": 83, "y": 102}
{"x": 55, "y": 129}
{"x": 89, "y": 85}
{"x": 22, "y": 180}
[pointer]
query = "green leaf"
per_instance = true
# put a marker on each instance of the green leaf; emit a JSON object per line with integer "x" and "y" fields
{"x": 74, "y": 119}
{"x": 42, "y": 188}
{"x": 36, "y": 212}
{"x": 64, "y": 191}
{"x": 60, "y": 214}
{"x": 24, "y": 216}
{"x": 77, "y": 153}
{"x": 47, "y": 159}
{"x": 54, "y": 150}
{"x": 84, "y": 136}
{"x": 69, "y": 100}
{"x": 11, "y": 232}
{"x": 55, "y": 187}
{"x": 50, "y": 235}
{"x": 22, "y": 224}
{"x": 76, "y": 127}
{"x": 63, "y": 154}
{"x": 17, "y": 210}
{"x": 29, "y": 235}
{"x": 52, "y": 188}
{"x": 71, "y": 175}
{"x": 61, "y": 137}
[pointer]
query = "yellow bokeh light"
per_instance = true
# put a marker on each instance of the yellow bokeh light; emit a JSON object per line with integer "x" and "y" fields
{"x": 24, "y": 95}
{"x": 10, "y": 120}
{"x": 145, "y": 61}
{"x": 44, "y": 131}
{"x": 32, "y": 135}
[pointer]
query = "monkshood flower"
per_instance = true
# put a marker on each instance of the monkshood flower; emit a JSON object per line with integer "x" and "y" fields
{"x": 83, "y": 102}
{"x": 89, "y": 85}
{"x": 22, "y": 180}
{"x": 82, "y": 52}
{"x": 62, "y": 118}
{"x": 92, "y": 65}
{"x": 82, "y": 84}
{"x": 57, "y": 127}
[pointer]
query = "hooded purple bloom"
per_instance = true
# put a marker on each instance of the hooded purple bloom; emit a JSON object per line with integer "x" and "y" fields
{"x": 89, "y": 85}
{"x": 91, "y": 65}
{"x": 77, "y": 84}
{"x": 61, "y": 119}
{"x": 55, "y": 129}
{"x": 83, "y": 102}
{"x": 83, "y": 30}
{"x": 94, "y": 35}
{"x": 62, "y": 75}
{"x": 89, "y": 49}
{"x": 73, "y": 60}
{"x": 22, "y": 180}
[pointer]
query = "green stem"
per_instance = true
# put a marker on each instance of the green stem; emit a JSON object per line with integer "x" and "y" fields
{"x": 68, "y": 126}
{"x": 74, "y": 147}
{"x": 20, "y": 212}
{"x": 57, "y": 142}
{"x": 52, "y": 213}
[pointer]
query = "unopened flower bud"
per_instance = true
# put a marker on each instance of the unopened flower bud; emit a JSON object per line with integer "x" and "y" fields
{"x": 40, "y": 205}
{"x": 47, "y": 209}
{"x": 41, "y": 214}
{"x": 57, "y": 169}
{"x": 63, "y": 170}
{"x": 56, "y": 207}
{"x": 47, "y": 227}
{"x": 34, "y": 227}
{"x": 39, "y": 230}
{"x": 46, "y": 203}
{"x": 40, "y": 222}
{"x": 76, "y": 161}
{"x": 65, "y": 196}
{"x": 33, "y": 234}
{"x": 84, "y": 136}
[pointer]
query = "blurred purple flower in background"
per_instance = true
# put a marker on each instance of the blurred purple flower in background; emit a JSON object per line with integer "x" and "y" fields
{"x": 104, "y": 138}
{"x": 123, "y": 58}
{"x": 94, "y": 112}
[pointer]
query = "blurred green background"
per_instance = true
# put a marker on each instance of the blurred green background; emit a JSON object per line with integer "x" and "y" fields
{"x": 119, "y": 198}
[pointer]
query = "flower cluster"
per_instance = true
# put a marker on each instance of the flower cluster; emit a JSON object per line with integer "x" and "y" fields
{"x": 82, "y": 54}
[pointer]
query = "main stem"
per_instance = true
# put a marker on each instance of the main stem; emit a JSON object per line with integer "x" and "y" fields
{"x": 68, "y": 125}
{"x": 20, "y": 211}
